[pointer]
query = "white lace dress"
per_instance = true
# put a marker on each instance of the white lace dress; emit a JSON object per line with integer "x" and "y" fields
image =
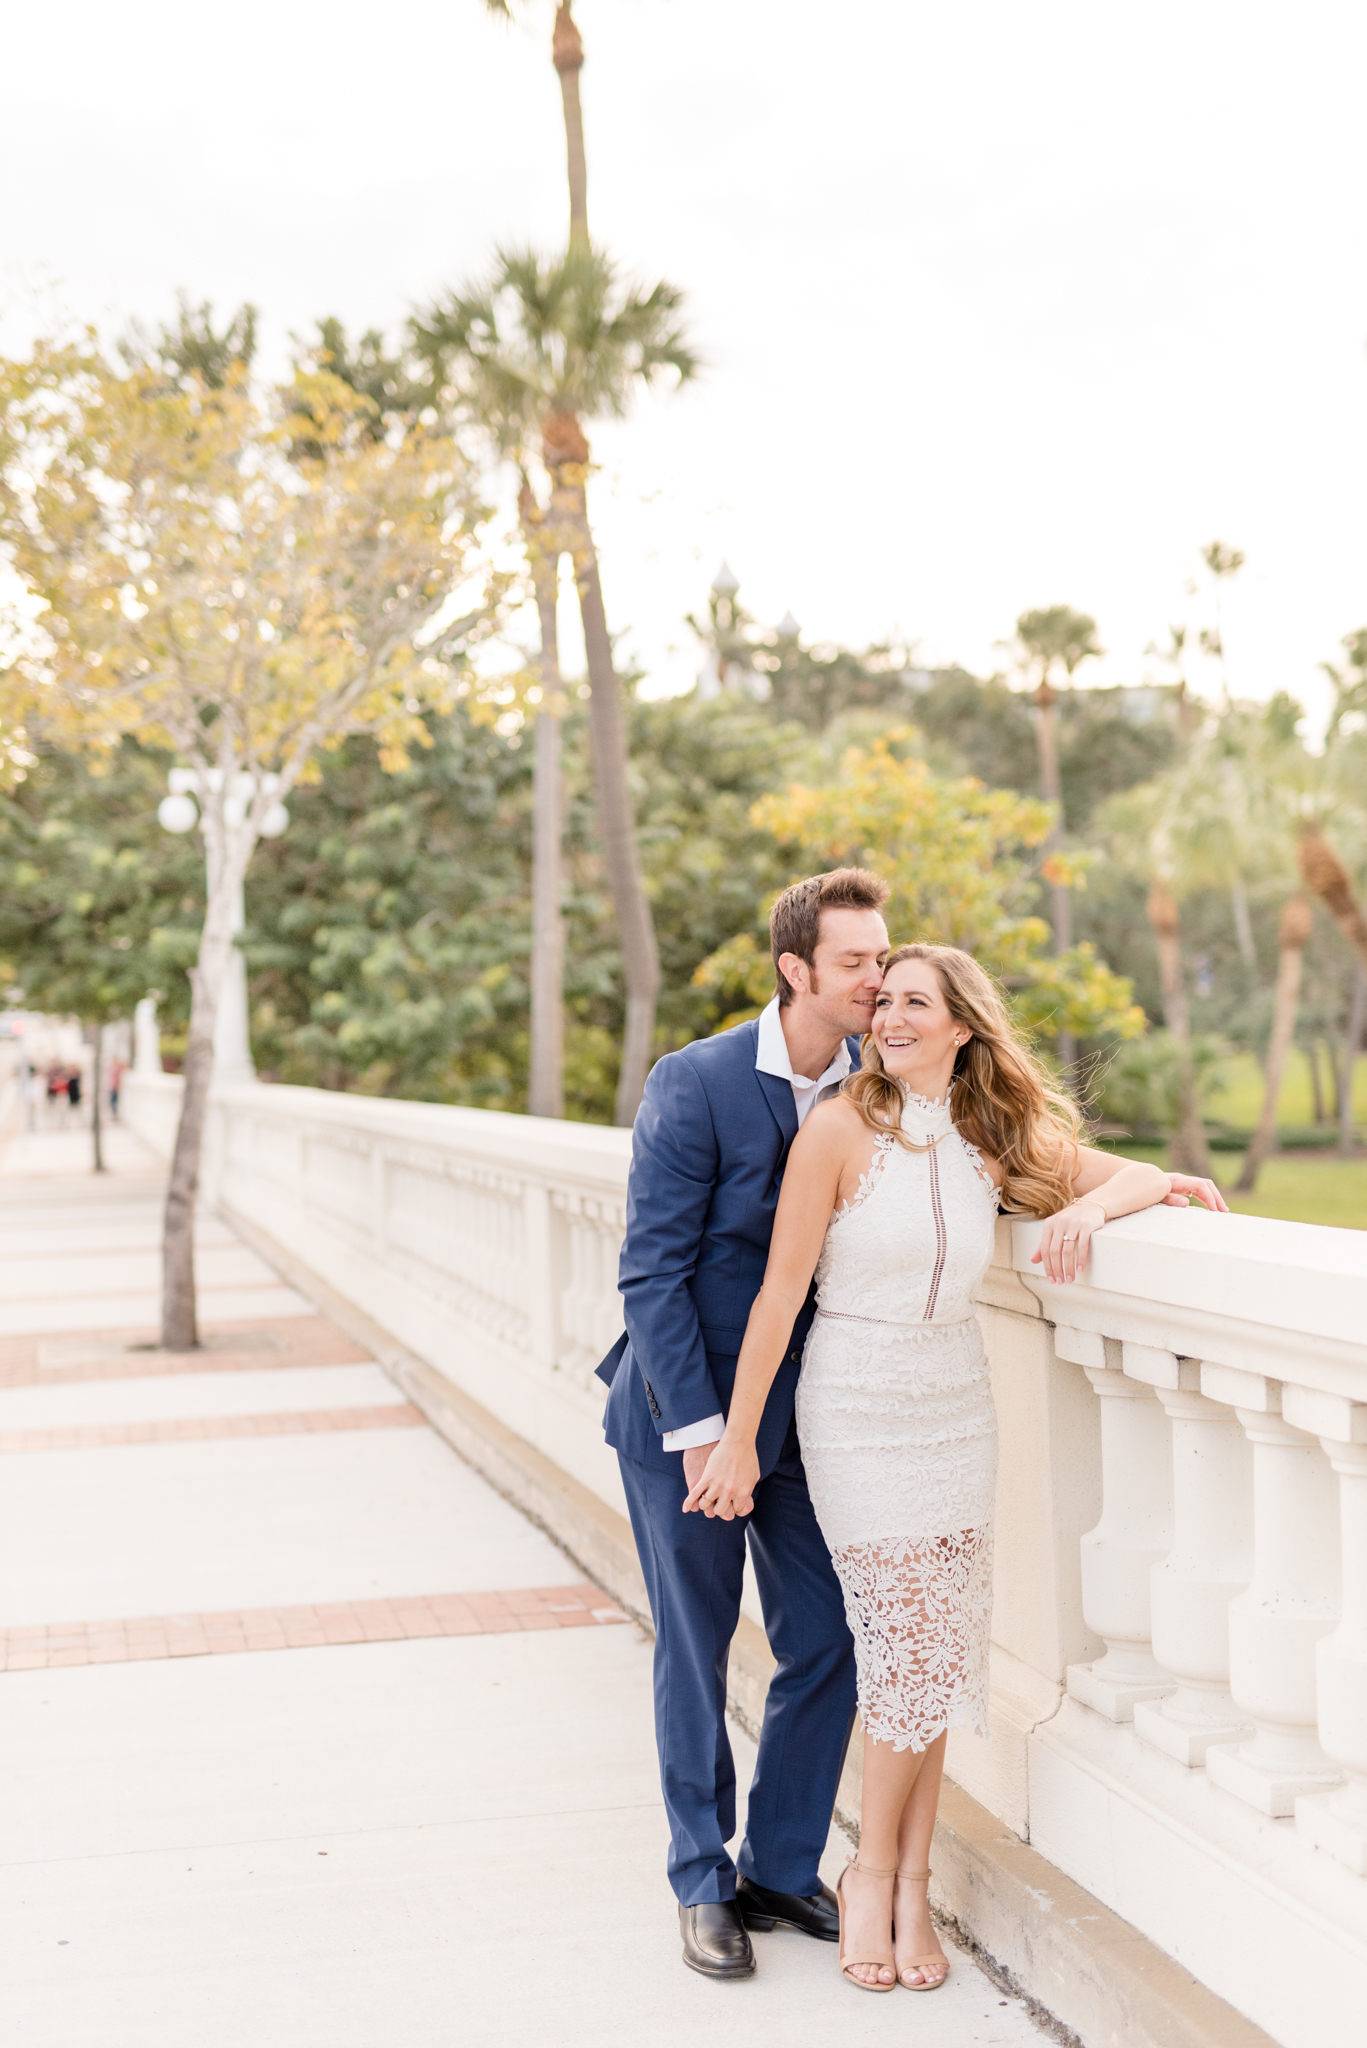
{"x": 898, "y": 1432}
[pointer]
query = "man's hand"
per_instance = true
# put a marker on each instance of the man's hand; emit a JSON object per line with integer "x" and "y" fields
{"x": 725, "y": 1487}
{"x": 695, "y": 1463}
{"x": 1187, "y": 1188}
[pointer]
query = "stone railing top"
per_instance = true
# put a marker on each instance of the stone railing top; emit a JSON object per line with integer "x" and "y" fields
{"x": 1284, "y": 1299}
{"x": 539, "y": 1146}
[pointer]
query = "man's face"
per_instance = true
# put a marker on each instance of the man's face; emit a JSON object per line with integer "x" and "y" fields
{"x": 841, "y": 986}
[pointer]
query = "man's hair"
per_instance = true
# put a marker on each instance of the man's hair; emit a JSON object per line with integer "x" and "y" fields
{"x": 795, "y": 920}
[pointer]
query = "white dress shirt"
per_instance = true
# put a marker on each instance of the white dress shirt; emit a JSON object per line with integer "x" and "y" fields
{"x": 771, "y": 1057}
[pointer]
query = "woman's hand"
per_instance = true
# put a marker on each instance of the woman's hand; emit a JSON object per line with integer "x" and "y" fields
{"x": 1067, "y": 1236}
{"x": 727, "y": 1486}
{"x": 1186, "y": 1188}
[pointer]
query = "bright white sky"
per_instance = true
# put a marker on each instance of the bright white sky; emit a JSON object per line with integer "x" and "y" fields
{"x": 1003, "y": 305}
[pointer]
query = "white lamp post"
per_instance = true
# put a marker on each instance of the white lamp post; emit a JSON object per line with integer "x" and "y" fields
{"x": 179, "y": 812}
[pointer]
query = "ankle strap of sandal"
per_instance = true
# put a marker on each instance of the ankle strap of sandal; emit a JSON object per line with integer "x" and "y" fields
{"x": 868, "y": 1869}
{"x": 918, "y": 1875}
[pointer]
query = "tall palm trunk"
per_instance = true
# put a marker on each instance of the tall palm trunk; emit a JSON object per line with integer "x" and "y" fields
{"x": 1243, "y": 924}
{"x": 1352, "y": 1045}
{"x": 567, "y": 55}
{"x": 1189, "y": 1149}
{"x": 546, "y": 1081}
{"x": 1051, "y": 788}
{"x": 566, "y": 455}
{"x": 1294, "y": 929}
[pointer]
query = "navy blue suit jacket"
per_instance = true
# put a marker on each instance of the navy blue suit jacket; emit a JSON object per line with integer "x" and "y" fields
{"x": 711, "y": 1141}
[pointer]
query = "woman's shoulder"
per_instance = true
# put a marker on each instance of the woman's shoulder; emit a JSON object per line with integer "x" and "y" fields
{"x": 835, "y": 1121}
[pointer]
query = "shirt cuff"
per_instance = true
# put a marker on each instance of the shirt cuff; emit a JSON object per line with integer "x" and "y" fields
{"x": 693, "y": 1434}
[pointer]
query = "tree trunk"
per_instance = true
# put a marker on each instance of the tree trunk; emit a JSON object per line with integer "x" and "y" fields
{"x": 1189, "y": 1149}
{"x": 1295, "y": 928}
{"x": 179, "y": 1323}
{"x": 94, "y": 1035}
{"x": 1312, "y": 1054}
{"x": 567, "y": 55}
{"x": 1051, "y": 788}
{"x": 566, "y": 455}
{"x": 1357, "y": 1018}
{"x": 1323, "y": 871}
{"x": 1243, "y": 924}
{"x": 546, "y": 1081}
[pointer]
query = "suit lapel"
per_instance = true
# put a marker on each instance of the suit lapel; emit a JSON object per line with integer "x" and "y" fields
{"x": 778, "y": 1093}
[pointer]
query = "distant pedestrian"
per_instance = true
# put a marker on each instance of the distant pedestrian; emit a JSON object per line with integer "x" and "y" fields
{"x": 115, "y": 1077}
{"x": 73, "y": 1087}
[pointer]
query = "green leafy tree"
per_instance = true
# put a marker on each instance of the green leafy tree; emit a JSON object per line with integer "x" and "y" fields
{"x": 96, "y": 901}
{"x": 960, "y": 861}
{"x": 193, "y": 582}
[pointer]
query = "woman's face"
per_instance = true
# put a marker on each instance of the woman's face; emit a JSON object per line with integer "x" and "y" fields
{"x": 913, "y": 1029}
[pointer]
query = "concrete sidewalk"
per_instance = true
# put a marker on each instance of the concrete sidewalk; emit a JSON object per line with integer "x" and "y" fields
{"x": 308, "y": 1736}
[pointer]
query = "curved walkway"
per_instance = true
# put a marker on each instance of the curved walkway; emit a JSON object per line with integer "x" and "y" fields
{"x": 308, "y": 1736}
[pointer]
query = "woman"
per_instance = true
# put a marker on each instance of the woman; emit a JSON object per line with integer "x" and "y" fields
{"x": 890, "y": 1196}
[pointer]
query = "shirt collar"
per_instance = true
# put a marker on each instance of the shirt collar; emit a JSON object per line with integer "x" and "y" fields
{"x": 771, "y": 1054}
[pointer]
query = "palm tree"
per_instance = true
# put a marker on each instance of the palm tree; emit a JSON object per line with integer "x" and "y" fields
{"x": 1190, "y": 1152}
{"x": 1053, "y": 638}
{"x": 567, "y": 340}
{"x": 1293, "y": 931}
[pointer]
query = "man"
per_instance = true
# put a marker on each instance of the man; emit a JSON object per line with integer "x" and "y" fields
{"x": 710, "y": 1145}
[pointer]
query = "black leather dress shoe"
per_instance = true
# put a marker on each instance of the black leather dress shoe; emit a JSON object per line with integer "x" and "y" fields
{"x": 763, "y": 1910}
{"x": 715, "y": 1942}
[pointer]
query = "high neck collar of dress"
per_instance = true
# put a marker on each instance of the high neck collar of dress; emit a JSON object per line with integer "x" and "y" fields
{"x": 932, "y": 1117}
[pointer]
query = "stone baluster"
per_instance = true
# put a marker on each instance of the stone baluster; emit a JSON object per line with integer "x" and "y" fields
{"x": 1337, "y": 1821}
{"x": 1134, "y": 1533}
{"x": 1210, "y": 1562}
{"x": 1291, "y": 1602}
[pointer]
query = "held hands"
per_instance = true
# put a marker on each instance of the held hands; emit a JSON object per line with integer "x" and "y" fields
{"x": 722, "y": 1481}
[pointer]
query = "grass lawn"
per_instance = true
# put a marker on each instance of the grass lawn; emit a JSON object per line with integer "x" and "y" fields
{"x": 1240, "y": 1101}
{"x": 1299, "y": 1187}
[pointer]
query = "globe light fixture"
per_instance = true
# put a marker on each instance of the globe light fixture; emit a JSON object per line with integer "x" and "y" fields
{"x": 177, "y": 813}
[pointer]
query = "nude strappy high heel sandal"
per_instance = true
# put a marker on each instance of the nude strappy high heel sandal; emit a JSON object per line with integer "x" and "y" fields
{"x": 847, "y": 1963}
{"x": 918, "y": 1962}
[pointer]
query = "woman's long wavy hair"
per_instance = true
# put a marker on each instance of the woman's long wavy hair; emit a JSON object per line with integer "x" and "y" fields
{"x": 1003, "y": 1100}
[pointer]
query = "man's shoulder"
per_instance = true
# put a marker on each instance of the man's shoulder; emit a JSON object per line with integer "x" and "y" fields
{"x": 712, "y": 1059}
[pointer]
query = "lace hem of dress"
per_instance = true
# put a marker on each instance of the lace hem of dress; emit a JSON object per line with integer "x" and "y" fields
{"x": 882, "y": 1146}
{"x": 920, "y": 1612}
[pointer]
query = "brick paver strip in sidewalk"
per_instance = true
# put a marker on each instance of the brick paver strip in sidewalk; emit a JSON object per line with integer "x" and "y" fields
{"x": 51, "y": 1359}
{"x": 50, "y": 1646}
{"x": 189, "y": 1429}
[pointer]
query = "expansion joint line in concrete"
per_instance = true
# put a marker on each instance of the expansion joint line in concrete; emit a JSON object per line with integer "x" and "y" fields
{"x": 189, "y": 1429}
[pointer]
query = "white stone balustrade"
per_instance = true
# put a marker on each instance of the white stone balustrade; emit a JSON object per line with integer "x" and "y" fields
{"x": 1209, "y": 1563}
{"x": 1276, "y": 1622}
{"x": 1179, "y": 1658}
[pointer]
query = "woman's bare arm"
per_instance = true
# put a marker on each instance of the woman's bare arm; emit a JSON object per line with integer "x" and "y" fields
{"x": 811, "y": 1186}
{"x": 1105, "y": 1186}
